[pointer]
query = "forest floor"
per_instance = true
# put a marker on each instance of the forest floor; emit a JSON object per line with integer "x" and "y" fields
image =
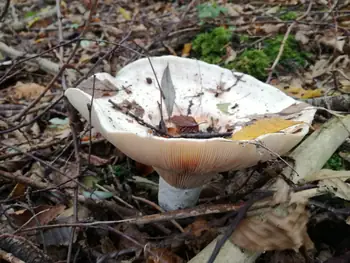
{"x": 50, "y": 164}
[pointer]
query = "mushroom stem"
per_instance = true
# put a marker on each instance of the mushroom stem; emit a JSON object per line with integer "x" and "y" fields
{"x": 172, "y": 198}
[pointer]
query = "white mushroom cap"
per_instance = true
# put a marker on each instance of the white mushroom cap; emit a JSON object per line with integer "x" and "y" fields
{"x": 183, "y": 162}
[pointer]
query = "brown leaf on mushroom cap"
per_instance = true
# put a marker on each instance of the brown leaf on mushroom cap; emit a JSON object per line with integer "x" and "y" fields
{"x": 282, "y": 228}
{"x": 184, "y": 124}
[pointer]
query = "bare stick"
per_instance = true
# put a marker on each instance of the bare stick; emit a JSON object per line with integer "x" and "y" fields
{"x": 286, "y": 35}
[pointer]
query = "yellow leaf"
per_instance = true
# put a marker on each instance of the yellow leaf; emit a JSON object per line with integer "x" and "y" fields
{"x": 261, "y": 127}
{"x": 32, "y": 22}
{"x": 301, "y": 93}
{"x": 125, "y": 13}
{"x": 186, "y": 50}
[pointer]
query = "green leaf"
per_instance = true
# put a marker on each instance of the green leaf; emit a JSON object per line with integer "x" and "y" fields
{"x": 223, "y": 107}
{"x": 30, "y": 14}
{"x": 97, "y": 195}
{"x": 90, "y": 181}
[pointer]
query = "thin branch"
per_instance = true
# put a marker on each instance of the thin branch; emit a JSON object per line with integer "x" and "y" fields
{"x": 4, "y": 11}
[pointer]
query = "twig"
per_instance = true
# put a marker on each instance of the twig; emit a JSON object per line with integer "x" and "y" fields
{"x": 139, "y": 120}
{"x": 32, "y": 149}
{"x": 176, "y": 224}
{"x": 4, "y": 11}
{"x": 286, "y": 35}
{"x": 45, "y": 64}
{"x": 8, "y": 256}
{"x": 33, "y": 120}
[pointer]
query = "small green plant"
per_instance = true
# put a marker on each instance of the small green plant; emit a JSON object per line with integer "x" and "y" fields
{"x": 210, "y": 10}
{"x": 335, "y": 163}
{"x": 253, "y": 62}
{"x": 289, "y": 16}
{"x": 210, "y": 47}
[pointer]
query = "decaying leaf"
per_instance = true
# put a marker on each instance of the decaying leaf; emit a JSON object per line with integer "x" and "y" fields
{"x": 44, "y": 214}
{"x": 182, "y": 124}
{"x": 332, "y": 181}
{"x": 18, "y": 190}
{"x": 302, "y": 37}
{"x": 163, "y": 255}
{"x": 330, "y": 39}
{"x": 271, "y": 28}
{"x": 197, "y": 228}
{"x": 27, "y": 91}
{"x": 263, "y": 126}
{"x": 336, "y": 186}
{"x": 283, "y": 227}
{"x": 168, "y": 91}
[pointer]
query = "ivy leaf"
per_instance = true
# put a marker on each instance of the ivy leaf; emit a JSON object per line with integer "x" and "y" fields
{"x": 168, "y": 90}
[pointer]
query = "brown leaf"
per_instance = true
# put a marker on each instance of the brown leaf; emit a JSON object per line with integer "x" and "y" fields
{"x": 27, "y": 91}
{"x": 282, "y": 228}
{"x": 18, "y": 190}
{"x": 163, "y": 255}
{"x": 197, "y": 228}
{"x": 184, "y": 124}
{"x": 44, "y": 214}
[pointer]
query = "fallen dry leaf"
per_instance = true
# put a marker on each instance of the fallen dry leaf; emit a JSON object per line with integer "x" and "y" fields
{"x": 197, "y": 228}
{"x": 18, "y": 190}
{"x": 182, "y": 124}
{"x": 27, "y": 91}
{"x": 332, "y": 181}
{"x": 263, "y": 126}
{"x": 283, "y": 227}
{"x": 44, "y": 214}
{"x": 163, "y": 255}
{"x": 300, "y": 93}
{"x": 330, "y": 39}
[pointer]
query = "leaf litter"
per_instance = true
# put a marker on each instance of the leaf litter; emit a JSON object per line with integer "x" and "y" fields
{"x": 48, "y": 136}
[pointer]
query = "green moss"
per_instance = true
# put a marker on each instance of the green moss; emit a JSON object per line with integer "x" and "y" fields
{"x": 289, "y": 16}
{"x": 253, "y": 62}
{"x": 335, "y": 163}
{"x": 244, "y": 38}
{"x": 210, "y": 47}
{"x": 291, "y": 52}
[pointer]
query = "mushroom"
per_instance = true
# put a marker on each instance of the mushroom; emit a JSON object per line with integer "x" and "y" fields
{"x": 197, "y": 97}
